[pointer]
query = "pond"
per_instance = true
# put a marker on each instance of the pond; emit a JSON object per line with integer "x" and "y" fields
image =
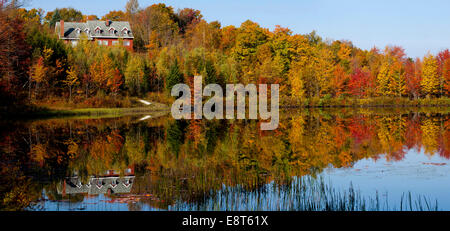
{"x": 317, "y": 159}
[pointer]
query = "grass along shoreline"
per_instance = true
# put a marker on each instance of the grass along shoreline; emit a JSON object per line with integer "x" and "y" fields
{"x": 52, "y": 112}
{"x": 136, "y": 109}
{"x": 98, "y": 111}
{"x": 364, "y": 102}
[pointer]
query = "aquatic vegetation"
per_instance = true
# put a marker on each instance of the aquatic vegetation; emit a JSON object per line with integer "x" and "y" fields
{"x": 303, "y": 194}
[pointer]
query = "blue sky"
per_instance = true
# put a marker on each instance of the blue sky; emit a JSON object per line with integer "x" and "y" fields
{"x": 418, "y": 26}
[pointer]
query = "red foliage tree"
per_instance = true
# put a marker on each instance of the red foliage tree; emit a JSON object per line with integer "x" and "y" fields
{"x": 360, "y": 81}
{"x": 443, "y": 59}
{"x": 340, "y": 80}
{"x": 14, "y": 56}
{"x": 413, "y": 76}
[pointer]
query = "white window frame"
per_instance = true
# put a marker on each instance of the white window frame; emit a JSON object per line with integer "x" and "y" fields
{"x": 98, "y": 30}
{"x": 125, "y": 31}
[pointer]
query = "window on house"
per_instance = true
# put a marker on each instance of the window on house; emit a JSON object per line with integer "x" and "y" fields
{"x": 74, "y": 43}
{"x": 114, "y": 43}
{"x": 105, "y": 42}
{"x": 100, "y": 42}
{"x": 126, "y": 43}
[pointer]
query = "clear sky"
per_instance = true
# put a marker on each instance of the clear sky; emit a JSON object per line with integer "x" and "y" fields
{"x": 418, "y": 26}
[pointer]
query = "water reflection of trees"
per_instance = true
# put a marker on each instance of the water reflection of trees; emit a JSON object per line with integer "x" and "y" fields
{"x": 185, "y": 160}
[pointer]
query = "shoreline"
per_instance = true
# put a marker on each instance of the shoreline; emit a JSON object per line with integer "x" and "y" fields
{"x": 36, "y": 112}
{"x": 44, "y": 112}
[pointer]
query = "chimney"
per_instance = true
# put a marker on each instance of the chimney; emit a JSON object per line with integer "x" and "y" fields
{"x": 61, "y": 28}
{"x": 108, "y": 22}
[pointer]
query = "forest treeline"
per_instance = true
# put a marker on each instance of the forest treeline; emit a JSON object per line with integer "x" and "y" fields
{"x": 171, "y": 46}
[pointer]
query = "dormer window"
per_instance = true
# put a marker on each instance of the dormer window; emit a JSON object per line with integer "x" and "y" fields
{"x": 99, "y": 184}
{"x": 98, "y": 31}
{"x": 112, "y": 31}
{"x": 86, "y": 30}
{"x": 125, "y": 31}
{"x": 78, "y": 30}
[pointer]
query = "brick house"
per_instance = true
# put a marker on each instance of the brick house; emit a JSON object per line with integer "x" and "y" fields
{"x": 105, "y": 33}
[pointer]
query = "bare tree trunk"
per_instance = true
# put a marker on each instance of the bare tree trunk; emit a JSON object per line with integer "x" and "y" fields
{"x": 70, "y": 93}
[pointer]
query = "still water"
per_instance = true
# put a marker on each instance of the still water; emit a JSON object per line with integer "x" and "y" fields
{"x": 335, "y": 159}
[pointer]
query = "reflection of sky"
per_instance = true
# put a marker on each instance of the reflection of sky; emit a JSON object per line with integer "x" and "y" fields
{"x": 413, "y": 174}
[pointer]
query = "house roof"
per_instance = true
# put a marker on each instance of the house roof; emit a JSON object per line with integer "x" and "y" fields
{"x": 95, "y": 186}
{"x": 89, "y": 27}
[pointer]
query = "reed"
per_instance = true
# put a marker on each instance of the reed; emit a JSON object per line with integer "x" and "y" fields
{"x": 303, "y": 194}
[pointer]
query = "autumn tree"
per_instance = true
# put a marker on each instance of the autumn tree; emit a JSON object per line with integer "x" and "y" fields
{"x": 188, "y": 17}
{"x": 115, "y": 16}
{"x": 116, "y": 82}
{"x": 34, "y": 15}
{"x": 446, "y": 76}
{"x": 323, "y": 68}
{"x": 66, "y": 14}
{"x": 71, "y": 80}
{"x": 203, "y": 34}
{"x": 90, "y": 17}
{"x": 391, "y": 79}
{"x": 101, "y": 71}
{"x": 134, "y": 74}
{"x": 249, "y": 36}
{"x": 340, "y": 81}
{"x": 283, "y": 48}
{"x": 430, "y": 79}
{"x": 296, "y": 80}
{"x": 269, "y": 68}
{"x": 360, "y": 83}
{"x": 14, "y": 55}
{"x": 228, "y": 39}
{"x": 38, "y": 74}
{"x": 132, "y": 7}
{"x": 413, "y": 75}
{"x": 157, "y": 18}
{"x": 443, "y": 58}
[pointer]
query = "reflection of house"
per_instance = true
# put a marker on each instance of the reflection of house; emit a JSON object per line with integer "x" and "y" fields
{"x": 104, "y": 33}
{"x": 110, "y": 183}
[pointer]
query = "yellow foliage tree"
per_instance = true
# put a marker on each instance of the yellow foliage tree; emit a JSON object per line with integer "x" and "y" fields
{"x": 101, "y": 71}
{"x": 296, "y": 80}
{"x": 391, "y": 78}
{"x": 430, "y": 78}
{"x": 324, "y": 69}
{"x": 71, "y": 80}
{"x": 38, "y": 74}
